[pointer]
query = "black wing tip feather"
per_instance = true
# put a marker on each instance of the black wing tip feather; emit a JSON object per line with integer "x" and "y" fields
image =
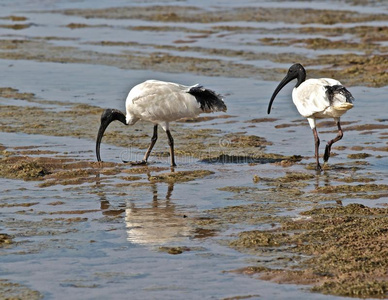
{"x": 339, "y": 89}
{"x": 208, "y": 100}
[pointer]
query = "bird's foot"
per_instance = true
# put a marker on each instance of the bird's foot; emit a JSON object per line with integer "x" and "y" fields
{"x": 326, "y": 166}
{"x": 318, "y": 168}
{"x": 136, "y": 163}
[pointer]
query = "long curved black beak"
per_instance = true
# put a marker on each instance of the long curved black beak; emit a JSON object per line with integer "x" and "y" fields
{"x": 282, "y": 83}
{"x": 108, "y": 116}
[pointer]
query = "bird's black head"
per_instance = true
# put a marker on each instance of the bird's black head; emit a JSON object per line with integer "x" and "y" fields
{"x": 296, "y": 71}
{"x": 108, "y": 116}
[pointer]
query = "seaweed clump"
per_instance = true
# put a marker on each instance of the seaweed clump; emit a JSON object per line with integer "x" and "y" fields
{"x": 23, "y": 168}
{"x": 346, "y": 250}
{"x": 180, "y": 176}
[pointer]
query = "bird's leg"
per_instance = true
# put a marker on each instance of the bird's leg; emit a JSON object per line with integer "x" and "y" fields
{"x": 147, "y": 154}
{"x": 153, "y": 141}
{"x": 330, "y": 143}
{"x": 171, "y": 143}
{"x": 316, "y": 139}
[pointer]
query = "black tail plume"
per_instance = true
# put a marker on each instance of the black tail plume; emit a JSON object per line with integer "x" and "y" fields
{"x": 208, "y": 100}
{"x": 333, "y": 90}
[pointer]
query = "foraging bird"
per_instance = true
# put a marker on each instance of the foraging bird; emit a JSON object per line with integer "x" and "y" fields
{"x": 317, "y": 98}
{"x": 160, "y": 103}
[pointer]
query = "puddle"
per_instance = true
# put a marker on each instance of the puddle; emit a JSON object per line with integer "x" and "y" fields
{"x": 224, "y": 223}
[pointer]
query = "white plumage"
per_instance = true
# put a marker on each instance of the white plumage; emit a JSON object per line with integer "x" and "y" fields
{"x": 317, "y": 98}
{"x": 312, "y": 101}
{"x": 160, "y": 103}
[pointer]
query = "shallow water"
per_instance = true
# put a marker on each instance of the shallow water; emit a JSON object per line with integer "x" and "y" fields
{"x": 105, "y": 237}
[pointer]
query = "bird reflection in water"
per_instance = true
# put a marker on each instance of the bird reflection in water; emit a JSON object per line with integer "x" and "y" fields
{"x": 156, "y": 225}
{"x": 325, "y": 180}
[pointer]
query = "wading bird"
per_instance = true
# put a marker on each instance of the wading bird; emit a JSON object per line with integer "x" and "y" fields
{"x": 160, "y": 103}
{"x": 317, "y": 98}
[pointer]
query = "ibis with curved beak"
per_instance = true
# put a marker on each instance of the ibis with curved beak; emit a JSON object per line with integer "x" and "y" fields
{"x": 317, "y": 98}
{"x": 160, "y": 103}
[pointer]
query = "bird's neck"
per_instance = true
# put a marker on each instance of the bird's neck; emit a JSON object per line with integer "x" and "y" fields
{"x": 119, "y": 116}
{"x": 300, "y": 78}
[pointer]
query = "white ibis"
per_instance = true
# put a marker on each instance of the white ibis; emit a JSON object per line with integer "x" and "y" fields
{"x": 317, "y": 98}
{"x": 160, "y": 103}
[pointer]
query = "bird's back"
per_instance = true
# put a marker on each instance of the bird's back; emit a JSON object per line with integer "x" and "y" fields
{"x": 322, "y": 97}
{"x": 159, "y": 101}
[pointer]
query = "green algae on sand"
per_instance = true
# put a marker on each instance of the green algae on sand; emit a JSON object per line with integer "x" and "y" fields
{"x": 339, "y": 250}
{"x": 13, "y": 290}
{"x": 23, "y": 168}
{"x": 5, "y": 239}
{"x": 180, "y": 176}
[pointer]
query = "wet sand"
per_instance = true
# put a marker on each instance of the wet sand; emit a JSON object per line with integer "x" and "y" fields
{"x": 244, "y": 207}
